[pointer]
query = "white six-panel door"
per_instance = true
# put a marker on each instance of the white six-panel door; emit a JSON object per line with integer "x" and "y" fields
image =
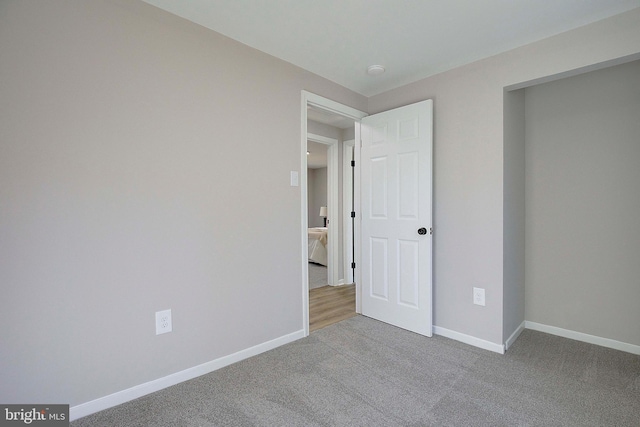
{"x": 396, "y": 202}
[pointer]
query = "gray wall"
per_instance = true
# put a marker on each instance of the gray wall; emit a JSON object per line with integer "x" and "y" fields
{"x": 348, "y": 134}
{"x": 124, "y": 189}
{"x": 317, "y": 195}
{"x": 130, "y": 182}
{"x": 513, "y": 302}
{"x": 324, "y": 130}
{"x": 469, "y": 163}
{"x": 583, "y": 203}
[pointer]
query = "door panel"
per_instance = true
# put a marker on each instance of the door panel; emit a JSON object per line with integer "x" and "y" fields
{"x": 408, "y": 273}
{"x": 408, "y": 184}
{"x": 378, "y": 196}
{"x": 396, "y": 191}
{"x": 379, "y": 276}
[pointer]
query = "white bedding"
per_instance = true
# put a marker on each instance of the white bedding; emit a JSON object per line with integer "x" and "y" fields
{"x": 317, "y": 245}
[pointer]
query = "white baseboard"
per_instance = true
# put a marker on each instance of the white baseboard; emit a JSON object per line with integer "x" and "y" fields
{"x": 341, "y": 282}
{"x": 468, "y": 339}
{"x": 514, "y": 336}
{"x": 135, "y": 392}
{"x": 579, "y": 336}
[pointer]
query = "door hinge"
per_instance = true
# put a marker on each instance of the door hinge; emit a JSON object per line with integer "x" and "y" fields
{"x": 353, "y": 265}
{"x": 353, "y": 163}
{"x": 353, "y": 214}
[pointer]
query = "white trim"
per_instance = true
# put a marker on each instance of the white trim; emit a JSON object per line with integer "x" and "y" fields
{"x": 304, "y": 220}
{"x": 333, "y": 249}
{"x": 579, "y": 336}
{"x": 358, "y": 222}
{"x": 468, "y": 339}
{"x": 140, "y": 390}
{"x": 321, "y": 139}
{"x": 333, "y": 271}
{"x": 514, "y": 336}
{"x": 334, "y": 213}
{"x": 308, "y": 98}
{"x": 347, "y": 146}
{"x": 331, "y": 106}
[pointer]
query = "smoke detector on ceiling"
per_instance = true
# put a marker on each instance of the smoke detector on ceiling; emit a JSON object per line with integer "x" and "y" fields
{"x": 374, "y": 70}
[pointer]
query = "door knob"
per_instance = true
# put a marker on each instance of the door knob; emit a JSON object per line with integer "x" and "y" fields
{"x": 422, "y": 231}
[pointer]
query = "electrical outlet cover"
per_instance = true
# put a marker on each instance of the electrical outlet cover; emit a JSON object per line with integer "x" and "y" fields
{"x": 163, "y": 322}
{"x": 478, "y": 296}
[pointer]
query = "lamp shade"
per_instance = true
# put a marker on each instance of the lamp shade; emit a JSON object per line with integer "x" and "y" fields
{"x": 323, "y": 211}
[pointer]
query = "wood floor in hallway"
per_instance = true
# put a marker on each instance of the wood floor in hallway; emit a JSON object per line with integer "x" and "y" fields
{"x": 331, "y": 304}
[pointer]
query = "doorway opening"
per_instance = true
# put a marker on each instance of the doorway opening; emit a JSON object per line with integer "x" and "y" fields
{"x": 393, "y": 206}
{"x": 319, "y": 113}
{"x": 322, "y": 198}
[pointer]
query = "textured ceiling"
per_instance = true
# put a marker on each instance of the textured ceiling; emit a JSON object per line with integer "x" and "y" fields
{"x": 412, "y": 39}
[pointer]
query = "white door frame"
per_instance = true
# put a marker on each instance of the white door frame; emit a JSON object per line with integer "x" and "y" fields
{"x": 332, "y": 205}
{"x": 347, "y": 193}
{"x": 311, "y": 99}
